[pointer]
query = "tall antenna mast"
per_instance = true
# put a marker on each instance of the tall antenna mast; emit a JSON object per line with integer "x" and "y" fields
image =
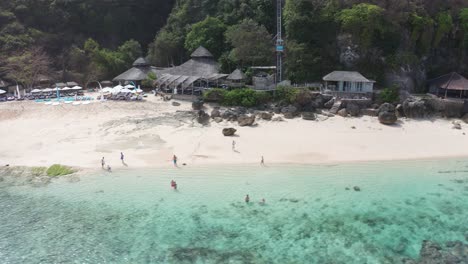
{"x": 279, "y": 42}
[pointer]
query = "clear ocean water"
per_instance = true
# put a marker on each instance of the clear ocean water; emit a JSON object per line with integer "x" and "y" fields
{"x": 133, "y": 216}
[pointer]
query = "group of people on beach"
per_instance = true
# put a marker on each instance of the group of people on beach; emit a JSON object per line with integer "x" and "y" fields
{"x": 247, "y": 200}
{"x": 108, "y": 168}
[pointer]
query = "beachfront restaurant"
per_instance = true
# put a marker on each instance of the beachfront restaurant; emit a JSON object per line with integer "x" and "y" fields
{"x": 139, "y": 72}
{"x": 449, "y": 85}
{"x": 193, "y": 76}
{"x": 348, "y": 84}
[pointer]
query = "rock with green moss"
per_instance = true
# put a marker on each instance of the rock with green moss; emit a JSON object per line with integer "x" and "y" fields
{"x": 59, "y": 170}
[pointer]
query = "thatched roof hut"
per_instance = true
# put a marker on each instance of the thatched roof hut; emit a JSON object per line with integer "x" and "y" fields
{"x": 201, "y": 66}
{"x": 237, "y": 75}
{"x": 450, "y": 84}
{"x": 140, "y": 70}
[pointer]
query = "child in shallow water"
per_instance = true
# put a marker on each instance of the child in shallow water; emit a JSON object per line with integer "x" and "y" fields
{"x": 109, "y": 168}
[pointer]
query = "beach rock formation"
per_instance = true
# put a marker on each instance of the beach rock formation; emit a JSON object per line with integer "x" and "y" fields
{"x": 465, "y": 118}
{"x": 329, "y": 104}
{"x": 387, "y": 118}
{"x": 197, "y": 105}
{"x": 415, "y": 108}
{"x": 343, "y": 112}
{"x": 227, "y": 132}
{"x": 309, "y": 116}
{"x": 229, "y": 115}
{"x": 215, "y": 113}
{"x": 218, "y": 119}
{"x": 245, "y": 120}
{"x": 386, "y": 107}
{"x": 456, "y": 125}
{"x": 399, "y": 111}
{"x": 357, "y": 189}
{"x": 175, "y": 103}
{"x": 202, "y": 117}
{"x": 290, "y": 112}
{"x": 353, "y": 109}
{"x": 266, "y": 115}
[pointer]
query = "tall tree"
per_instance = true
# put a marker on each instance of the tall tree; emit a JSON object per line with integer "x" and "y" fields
{"x": 208, "y": 33}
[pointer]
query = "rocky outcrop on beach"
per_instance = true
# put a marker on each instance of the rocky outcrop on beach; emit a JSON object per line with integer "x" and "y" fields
{"x": 215, "y": 113}
{"x": 227, "y": 132}
{"x": 245, "y": 120}
{"x": 386, "y": 114}
{"x": 266, "y": 115}
{"x": 309, "y": 116}
{"x": 290, "y": 112}
{"x": 413, "y": 108}
{"x": 433, "y": 253}
{"x": 353, "y": 109}
{"x": 202, "y": 117}
{"x": 343, "y": 112}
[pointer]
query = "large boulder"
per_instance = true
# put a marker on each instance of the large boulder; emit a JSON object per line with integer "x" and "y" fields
{"x": 386, "y": 107}
{"x": 453, "y": 109}
{"x": 245, "y": 120}
{"x": 353, "y": 109}
{"x": 415, "y": 108}
{"x": 465, "y": 118}
{"x": 175, "y": 103}
{"x": 289, "y": 111}
{"x": 387, "y": 118}
{"x": 343, "y": 112}
{"x": 197, "y": 105}
{"x": 399, "y": 111}
{"x": 202, "y": 117}
{"x": 227, "y": 132}
{"x": 266, "y": 115}
{"x": 303, "y": 98}
{"x": 218, "y": 119}
{"x": 215, "y": 113}
{"x": 329, "y": 104}
{"x": 309, "y": 116}
{"x": 229, "y": 115}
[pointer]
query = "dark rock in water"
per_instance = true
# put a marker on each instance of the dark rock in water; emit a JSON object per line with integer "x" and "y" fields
{"x": 202, "y": 117}
{"x": 353, "y": 109}
{"x": 245, "y": 120}
{"x": 229, "y": 131}
{"x": 347, "y": 188}
{"x": 197, "y": 105}
{"x": 175, "y": 103}
{"x": 357, "y": 189}
{"x": 309, "y": 116}
{"x": 266, "y": 116}
{"x": 433, "y": 253}
{"x": 343, "y": 112}
{"x": 387, "y": 118}
{"x": 215, "y": 113}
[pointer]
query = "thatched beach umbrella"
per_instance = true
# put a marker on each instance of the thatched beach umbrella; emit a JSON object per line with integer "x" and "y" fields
{"x": 2, "y": 92}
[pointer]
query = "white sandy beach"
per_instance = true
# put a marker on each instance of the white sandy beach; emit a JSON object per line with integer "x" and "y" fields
{"x": 35, "y": 134}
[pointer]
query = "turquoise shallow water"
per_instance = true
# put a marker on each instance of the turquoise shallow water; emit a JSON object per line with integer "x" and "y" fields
{"x": 133, "y": 216}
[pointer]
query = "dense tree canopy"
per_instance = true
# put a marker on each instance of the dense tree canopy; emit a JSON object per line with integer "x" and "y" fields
{"x": 374, "y": 37}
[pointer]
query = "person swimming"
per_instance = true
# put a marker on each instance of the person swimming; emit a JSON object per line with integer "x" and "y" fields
{"x": 262, "y": 202}
{"x": 247, "y": 198}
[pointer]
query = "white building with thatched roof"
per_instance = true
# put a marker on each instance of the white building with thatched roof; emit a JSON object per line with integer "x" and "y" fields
{"x": 200, "y": 71}
{"x": 348, "y": 82}
{"x": 139, "y": 72}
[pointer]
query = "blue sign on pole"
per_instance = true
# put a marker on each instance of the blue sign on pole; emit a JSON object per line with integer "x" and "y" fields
{"x": 279, "y": 48}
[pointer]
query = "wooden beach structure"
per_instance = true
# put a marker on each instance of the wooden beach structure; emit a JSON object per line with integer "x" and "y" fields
{"x": 449, "y": 85}
{"x": 139, "y": 72}
{"x": 236, "y": 79}
{"x": 193, "y": 76}
{"x": 348, "y": 84}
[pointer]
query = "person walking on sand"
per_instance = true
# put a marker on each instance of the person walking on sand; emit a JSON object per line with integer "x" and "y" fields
{"x": 122, "y": 157}
{"x": 233, "y": 145}
{"x": 247, "y": 198}
{"x": 174, "y": 159}
{"x": 103, "y": 163}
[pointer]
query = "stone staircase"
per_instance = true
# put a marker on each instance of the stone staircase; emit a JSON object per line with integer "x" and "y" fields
{"x": 336, "y": 106}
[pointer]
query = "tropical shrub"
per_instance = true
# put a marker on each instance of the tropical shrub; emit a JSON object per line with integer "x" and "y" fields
{"x": 390, "y": 95}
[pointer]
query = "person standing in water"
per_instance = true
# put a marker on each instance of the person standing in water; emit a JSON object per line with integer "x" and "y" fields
{"x": 174, "y": 159}
{"x": 247, "y": 198}
{"x": 122, "y": 157}
{"x": 109, "y": 169}
{"x": 103, "y": 163}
